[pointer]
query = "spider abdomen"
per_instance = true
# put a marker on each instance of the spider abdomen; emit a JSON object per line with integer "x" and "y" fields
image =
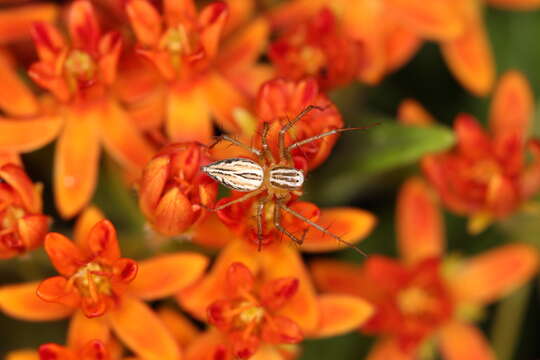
{"x": 237, "y": 174}
{"x": 286, "y": 178}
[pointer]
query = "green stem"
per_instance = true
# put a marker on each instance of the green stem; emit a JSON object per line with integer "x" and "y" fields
{"x": 508, "y": 322}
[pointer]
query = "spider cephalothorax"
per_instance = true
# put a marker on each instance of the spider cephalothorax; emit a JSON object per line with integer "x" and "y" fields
{"x": 277, "y": 180}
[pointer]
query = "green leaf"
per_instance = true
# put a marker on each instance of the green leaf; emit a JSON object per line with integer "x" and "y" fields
{"x": 363, "y": 155}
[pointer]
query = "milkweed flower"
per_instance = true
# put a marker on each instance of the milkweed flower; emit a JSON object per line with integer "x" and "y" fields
{"x": 317, "y": 47}
{"x": 22, "y": 225}
{"x": 485, "y": 176}
{"x": 204, "y": 80}
{"x": 173, "y": 192}
{"x": 258, "y": 300}
{"x": 102, "y": 291}
{"x": 423, "y": 296}
{"x": 82, "y": 114}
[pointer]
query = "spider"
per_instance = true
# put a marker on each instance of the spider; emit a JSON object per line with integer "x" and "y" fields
{"x": 279, "y": 179}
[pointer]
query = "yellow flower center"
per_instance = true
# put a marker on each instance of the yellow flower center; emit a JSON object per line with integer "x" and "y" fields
{"x": 254, "y": 314}
{"x": 414, "y": 300}
{"x": 313, "y": 59}
{"x": 485, "y": 170}
{"x": 176, "y": 40}
{"x": 92, "y": 279}
{"x": 80, "y": 65}
{"x": 11, "y": 216}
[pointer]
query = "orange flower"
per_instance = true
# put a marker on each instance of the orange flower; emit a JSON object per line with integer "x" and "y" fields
{"x": 203, "y": 80}
{"x": 317, "y": 48}
{"x": 96, "y": 279}
{"x": 485, "y": 176}
{"x": 22, "y": 226}
{"x": 79, "y": 76}
{"x": 172, "y": 188}
{"x": 93, "y": 276}
{"x": 93, "y": 350}
{"x": 423, "y": 297}
{"x": 249, "y": 295}
{"x": 248, "y": 316}
{"x": 16, "y": 21}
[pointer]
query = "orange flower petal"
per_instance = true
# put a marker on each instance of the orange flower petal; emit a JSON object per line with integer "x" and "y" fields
{"x": 341, "y": 314}
{"x": 21, "y": 302}
{"x": 15, "y": 23}
{"x": 472, "y": 140}
{"x": 56, "y": 290}
{"x": 515, "y": 4}
{"x": 402, "y": 43}
{"x": 83, "y": 26}
{"x": 63, "y": 253}
{"x": 7, "y": 157}
{"x": 76, "y": 161}
{"x": 122, "y": 139}
{"x": 83, "y": 329}
{"x": 279, "y": 261}
{"x": 212, "y": 19}
{"x": 224, "y": 99}
{"x": 411, "y": 112}
{"x": 198, "y": 297}
{"x": 166, "y": 275}
{"x": 28, "y": 135}
{"x": 387, "y": 349}
{"x": 437, "y": 19}
{"x": 23, "y": 355}
{"x": 209, "y": 345}
{"x": 102, "y": 241}
{"x": 141, "y": 330}
{"x": 183, "y": 330}
{"x": 419, "y": 222}
{"x": 85, "y": 222}
{"x": 239, "y": 12}
{"x": 512, "y": 106}
{"x": 15, "y": 177}
{"x": 460, "y": 341}
{"x": 32, "y": 229}
{"x": 489, "y": 276}
{"x": 188, "y": 117}
{"x": 211, "y": 232}
{"x": 174, "y": 214}
{"x": 469, "y": 56}
{"x": 145, "y": 20}
{"x": 16, "y": 98}
{"x": 336, "y": 276}
{"x": 352, "y": 225}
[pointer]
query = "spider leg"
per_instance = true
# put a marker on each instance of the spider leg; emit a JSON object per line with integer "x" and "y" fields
{"x": 328, "y": 133}
{"x": 320, "y": 228}
{"x": 266, "y": 152}
{"x": 282, "y": 149}
{"x": 277, "y": 224}
{"x": 235, "y": 201}
{"x": 235, "y": 142}
{"x": 260, "y": 210}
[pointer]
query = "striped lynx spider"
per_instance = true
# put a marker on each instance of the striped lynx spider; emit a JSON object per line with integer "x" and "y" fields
{"x": 277, "y": 179}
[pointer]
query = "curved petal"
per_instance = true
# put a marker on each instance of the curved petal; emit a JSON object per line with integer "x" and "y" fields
{"x": 212, "y": 19}
{"x": 495, "y": 273}
{"x": 387, "y": 349}
{"x": 420, "y": 228}
{"x": 402, "y": 43}
{"x": 211, "y": 232}
{"x": 76, "y": 161}
{"x": 85, "y": 222}
{"x": 209, "y": 345}
{"x": 122, "y": 139}
{"x": 279, "y": 261}
{"x": 16, "y": 178}
{"x": 16, "y": 99}
{"x": 141, "y": 330}
{"x": 224, "y": 100}
{"x": 145, "y": 21}
{"x": 436, "y": 19}
{"x": 472, "y": 140}
{"x": 411, "y": 112}
{"x": 21, "y": 302}
{"x": 198, "y": 297}
{"x": 15, "y": 23}
{"x": 28, "y": 135}
{"x": 23, "y": 355}
{"x": 341, "y": 314}
{"x": 336, "y": 276}
{"x": 166, "y": 275}
{"x": 83, "y": 329}
{"x": 352, "y": 225}
{"x": 102, "y": 241}
{"x": 83, "y": 26}
{"x": 56, "y": 289}
{"x": 512, "y": 106}
{"x": 63, "y": 253}
{"x": 173, "y": 214}
{"x": 469, "y": 57}
{"x": 460, "y": 341}
{"x": 282, "y": 330}
{"x": 184, "y": 330}
{"x": 188, "y": 117}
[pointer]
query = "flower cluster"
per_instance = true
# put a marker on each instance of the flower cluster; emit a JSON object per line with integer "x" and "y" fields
{"x": 214, "y": 117}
